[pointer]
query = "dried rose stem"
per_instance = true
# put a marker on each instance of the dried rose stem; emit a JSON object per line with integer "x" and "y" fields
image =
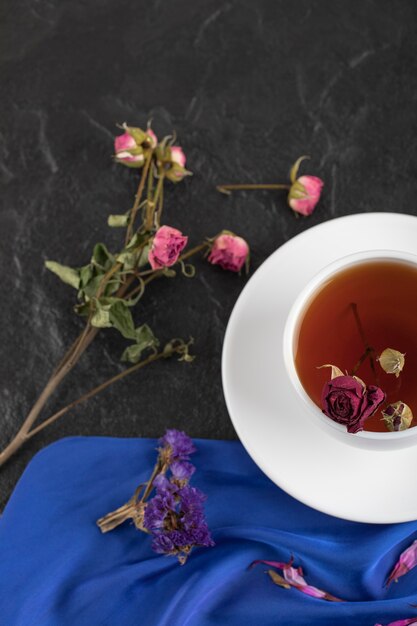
{"x": 138, "y": 197}
{"x": 153, "y": 215}
{"x": 361, "y": 360}
{"x": 228, "y": 188}
{"x": 86, "y": 396}
{"x": 369, "y": 350}
{"x": 69, "y": 361}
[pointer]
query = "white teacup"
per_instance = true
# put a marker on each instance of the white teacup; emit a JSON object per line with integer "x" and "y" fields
{"x": 367, "y": 439}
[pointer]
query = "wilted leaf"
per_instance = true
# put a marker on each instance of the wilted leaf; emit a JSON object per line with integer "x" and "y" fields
{"x": 67, "y": 274}
{"x": 118, "y": 221}
{"x": 86, "y": 274}
{"x": 121, "y": 318}
{"x": 102, "y": 257}
{"x": 144, "y": 339}
{"x": 101, "y": 317}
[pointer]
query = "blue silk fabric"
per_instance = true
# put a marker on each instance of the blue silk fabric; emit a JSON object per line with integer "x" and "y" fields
{"x": 57, "y": 569}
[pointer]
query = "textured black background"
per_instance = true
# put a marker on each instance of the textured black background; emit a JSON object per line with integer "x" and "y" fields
{"x": 249, "y": 86}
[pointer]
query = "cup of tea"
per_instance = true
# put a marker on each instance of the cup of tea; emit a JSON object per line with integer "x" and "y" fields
{"x": 346, "y": 316}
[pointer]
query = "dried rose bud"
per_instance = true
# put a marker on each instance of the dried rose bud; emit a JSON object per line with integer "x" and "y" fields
{"x": 305, "y": 191}
{"x": 171, "y": 159}
{"x": 392, "y": 361}
{"x": 397, "y": 416}
{"x": 347, "y": 401}
{"x": 167, "y": 246}
{"x": 230, "y": 252}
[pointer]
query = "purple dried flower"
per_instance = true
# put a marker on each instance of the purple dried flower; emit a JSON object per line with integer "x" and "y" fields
{"x": 163, "y": 544}
{"x": 182, "y": 470}
{"x": 175, "y": 516}
{"x": 180, "y": 445}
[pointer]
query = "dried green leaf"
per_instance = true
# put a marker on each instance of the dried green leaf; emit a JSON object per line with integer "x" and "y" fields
{"x": 118, "y": 221}
{"x": 68, "y": 275}
{"x": 86, "y": 274}
{"x": 121, "y": 318}
{"x": 145, "y": 339}
{"x": 102, "y": 257}
{"x": 132, "y": 354}
{"x": 335, "y": 370}
{"x": 101, "y": 317}
{"x": 295, "y": 168}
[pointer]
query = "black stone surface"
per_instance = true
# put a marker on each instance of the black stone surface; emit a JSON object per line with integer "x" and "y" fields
{"x": 248, "y": 86}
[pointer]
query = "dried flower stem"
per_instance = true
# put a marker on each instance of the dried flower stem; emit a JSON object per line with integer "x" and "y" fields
{"x": 165, "y": 353}
{"x": 138, "y": 197}
{"x": 69, "y": 361}
{"x": 369, "y": 350}
{"x": 227, "y": 189}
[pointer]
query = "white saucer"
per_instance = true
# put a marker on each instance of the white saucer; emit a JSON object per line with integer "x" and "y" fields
{"x": 274, "y": 425}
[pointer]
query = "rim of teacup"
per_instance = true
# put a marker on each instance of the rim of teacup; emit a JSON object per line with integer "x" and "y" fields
{"x": 373, "y": 440}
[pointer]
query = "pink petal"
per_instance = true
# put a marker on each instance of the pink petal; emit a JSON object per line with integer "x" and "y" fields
{"x": 178, "y": 156}
{"x": 294, "y": 577}
{"x": 124, "y": 142}
{"x": 406, "y": 562}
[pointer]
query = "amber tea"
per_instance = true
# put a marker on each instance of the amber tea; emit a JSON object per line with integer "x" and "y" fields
{"x": 374, "y": 304}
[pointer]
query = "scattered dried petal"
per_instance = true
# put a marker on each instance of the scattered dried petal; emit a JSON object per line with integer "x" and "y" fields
{"x": 392, "y": 361}
{"x": 294, "y": 577}
{"x": 397, "y": 416}
{"x": 401, "y": 622}
{"x": 406, "y": 562}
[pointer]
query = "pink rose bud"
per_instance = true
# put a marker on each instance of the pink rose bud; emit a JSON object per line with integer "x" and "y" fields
{"x": 127, "y": 151}
{"x": 178, "y": 156}
{"x": 406, "y": 562}
{"x": 166, "y": 247}
{"x": 305, "y": 191}
{"x": 229, "y": 251}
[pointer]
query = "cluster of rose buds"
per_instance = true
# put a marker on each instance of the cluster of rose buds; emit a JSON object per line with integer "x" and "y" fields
{"x": 132, "y": 148}
{"x": 174, "y": 516}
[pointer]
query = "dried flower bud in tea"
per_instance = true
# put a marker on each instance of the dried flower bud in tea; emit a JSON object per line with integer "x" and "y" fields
{"x": 397, "y": 416}
{"x": 392, "y": 361}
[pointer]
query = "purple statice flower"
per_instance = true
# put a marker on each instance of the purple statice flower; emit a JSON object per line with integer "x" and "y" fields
{"x": 163, "y": 544}
{"x": 182, "y": 470}
{"x": 178, "y": 444}
{"x": 175, "y": 517}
